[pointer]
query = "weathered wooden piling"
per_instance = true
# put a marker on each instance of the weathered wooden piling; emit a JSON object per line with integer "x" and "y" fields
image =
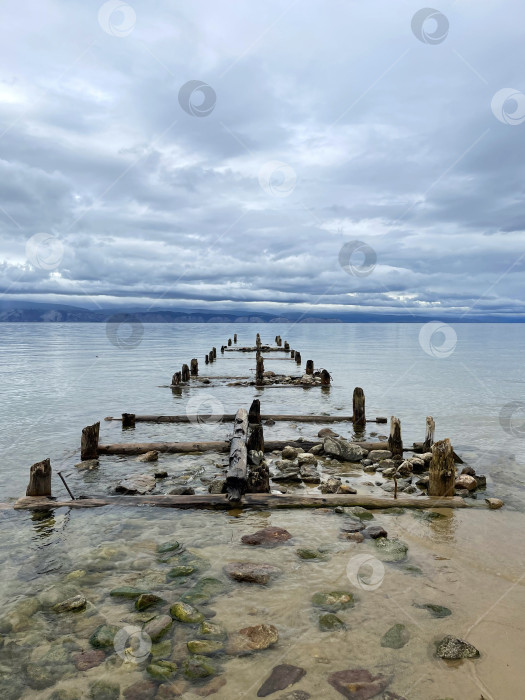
{"x": 214, "y": 351}
{"x": 128, "y": 420}
{"x": 229, "y": 342}
{"x": 222, "y": 349}
{"x": 395, "y": 443}
{"x": 236, "y": 478}
{"x": 292, "y": 353}
{"x": 185, "y": 374}
{"x": 429, "y": 434}
{"x": 40, "y": 479}
{"x": 194, "y": 367}
{"x": 206, "y": 359}
{"x": 325, "y": 377}
{"x": 286, "y": 346}
{"x": 176, "y": 379}
{"x": 89, "y": 442}
{"x": 309, "y": 367}
{"x": 278, "y": 341}
{"x": 442, "y": 475}
{"x": 235, "y": 337}
{"x": 259, "y": 372}
{"x": 256, "y": 439}
{"x": 254, "y": 414}
{"x": 298, "y": 357}
{"x": 359, "y": 414}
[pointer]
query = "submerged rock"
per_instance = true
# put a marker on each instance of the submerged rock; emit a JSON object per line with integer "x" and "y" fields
{"x": 158, "y": 627}
{"x": 375, "y": 531}
{"x": 437, "y": 611}
{"x": 333, "y": 601}
{"x": 196, "y": 667}
{"x": 181, "y": 571}
{"x": 104, "y": 690}
{"x": 378, "y": 455}
{"x": 136, "y": 483}
{"x": 151, "y": 456}
{"x": 103, "y": 637}
{"x": 182, "y": 491}
{"x": 391, "y": 550}
{"x": 453, "y": 648}
{"x": 169, "y": 547}
{"x": 358, "y": 684}
{"x": 360, "y": 513}
{"x": 75, "y": 604}
{"x": 281, "y": 677}
{"x": 205, "y": 647}
{"x": 87, "y": 465}
{"x": 255, "y": 638}
{"x": 295, "y": 695}
{"x": 494, "y": 503}
{"x": 396, "y": 637}
{"x": 212, "y": 630}
{"x": 328, "y": 622}
{"x": 90, "y": 658}
{"x": 343, "y": 449}
{"x": 183, "y": 612}
{"x": 126, "y": 592}
{"x": 142, "y": 690}
{"x": 311, "y": 554}
{"x": 147, "y": 600}
{"x": 162, "y": 670}
{"x": 248, "y": 572}
{"x": 268, "y": 537}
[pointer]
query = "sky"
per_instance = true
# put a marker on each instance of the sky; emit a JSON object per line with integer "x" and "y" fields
{"x": 286, "y": 155}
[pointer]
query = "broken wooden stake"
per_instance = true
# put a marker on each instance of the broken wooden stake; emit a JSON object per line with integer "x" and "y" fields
{"x": 395, "y": 443}
{"x": 256, "y": 439}
{"x": 298, "y": 357}
{"x": 309, "y": 367}
{"x": 254, "y": 414}
{"x": 442, "y": 475}
{"x": 235, "y": 337}
{"x": 358, "y": 401}
{"x": 325, "y": 377}
{"x": 128, "y": 420}
{"x": 292, "y": 353}
{"x": 429, "y": 434}
{"x": 236, "y": 478}
{"x": 89, "y": 442}
{"x": 206, "y": 359}
{"x": 194, "y": 367}
{"x": 286, "y": 346}
{"x": 185, "y": 373}
{"x": 40, "y": 479}
{"x": 259, "y": 372}
{"x": 229, "y": 341}
{"x": 176, "y": 379}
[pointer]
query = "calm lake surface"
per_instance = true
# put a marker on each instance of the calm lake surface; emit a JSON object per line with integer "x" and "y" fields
{"x": 57, "y": 378}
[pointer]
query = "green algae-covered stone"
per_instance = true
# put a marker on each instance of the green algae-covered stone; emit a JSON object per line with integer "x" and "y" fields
{"x": 205, "y": 646}
{"x": 391, "y": 550}
{"x": 181, "y": 571}
{"x": 162, "y": 650}
{"x": 186, "y": 613}
{"x": 396, "y": 637}
{"x": 309, "y": 554}
{"x": 127, "y": 592}
{"x": 360, "y": 513}
{"x": 330, "y": 622}
{"x": 103, "y": 637}
{"x": 104, "y": 690}
{"x": 162, "y": 670}
{"x": 196, "y": 667}
{"x": 435, "y": 610}
{"x": 212, "y": 630}
{"x": 168, "y": 547}
{"x": 333, "y": 601}
{"x": 147, "y": 600}
{"x": 157, "y": 627}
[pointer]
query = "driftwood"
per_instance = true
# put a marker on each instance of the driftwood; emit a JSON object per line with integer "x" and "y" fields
{"x": 89, "y": 442}
{"x": 272, "y": 501}
{"x": 358, "y": 402}
{"x": 442, "y": 475}
{"x": 237, "y": 476}
{"x": 395, "y": 443}
{"x": 40, "y": 479}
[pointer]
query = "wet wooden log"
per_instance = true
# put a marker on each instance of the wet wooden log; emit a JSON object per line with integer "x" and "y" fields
{"x": 264, "y": 501}
{"x": 358, "y": 402}
{"x": 298, "y": 357}
{"x": 194, "y": 367}
{"x": 259, "y": 371}
{"x": 176, "y": 379}
{"x": 89, "y": 442}
{"x": 325, "y": 377}
{"x": 185, "y": 373}
{"x": 309, "y": 367}
{"x": 237, "y": 475}
{"x": 442, "y": 475}
{"x": 395, "y": 443}
{"x": 128, "y": 420}
{"x": 254, "y": 414}
{"x": 39, "y": 479}
{"x": 256, "y": 439}
{"x": 429, "y": 434}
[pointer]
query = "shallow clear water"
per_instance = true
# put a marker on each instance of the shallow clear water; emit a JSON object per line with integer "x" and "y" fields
{"x": 58, "y": 378}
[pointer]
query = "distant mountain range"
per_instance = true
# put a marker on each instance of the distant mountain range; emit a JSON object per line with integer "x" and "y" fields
{"x": 33, "y": 312}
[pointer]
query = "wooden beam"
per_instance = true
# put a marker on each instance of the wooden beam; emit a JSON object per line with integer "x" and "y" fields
{"x": 250, "y": 501}
{"x": 237, "y": 476}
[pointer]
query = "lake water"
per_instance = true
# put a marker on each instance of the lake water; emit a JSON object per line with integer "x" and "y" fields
{"x": 57, "y": 378}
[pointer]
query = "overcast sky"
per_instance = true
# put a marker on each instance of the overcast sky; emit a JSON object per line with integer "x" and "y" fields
{"x": 340, "y": 152}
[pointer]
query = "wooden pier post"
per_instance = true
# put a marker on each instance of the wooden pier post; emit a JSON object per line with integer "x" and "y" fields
{"x": 292, "y": 353}
{"x": 325, "y": 377}
{"x": 309, "y": 366}
{"x": 278, "y": 341}
{"x": 256, "y": 439}
{"x": 259, "y": 372}
{"x": 359, "y": 415}
{"x": 194, "y": 367}
{"x": 254, "y": 415}
{"x": 235, "y": 337}
{"x": 229, "y": 342}
{"x": 185, "y": 374}
{"x": 429, "y": 434}
{"x": 222, "y": 349}
{"x": 40, "y": 479}
{"x": 128, "y": 420}
{"x": 206, "y": 359}
{"x": 298, "y": 357}
{"x": 286, "y": 346}
{"x": 89, "y": 442}
{"x": 236, "y": 478}
{"x": 442, "y": 475}
{"x": 395, "y": 443}
{"x": 214, "y": 351}
{"x": 176, "y": 379}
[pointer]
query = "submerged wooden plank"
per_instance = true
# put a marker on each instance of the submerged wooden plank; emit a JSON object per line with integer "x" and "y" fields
{"x": 229, "y": 417}
{"x": 258, "y": 500}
